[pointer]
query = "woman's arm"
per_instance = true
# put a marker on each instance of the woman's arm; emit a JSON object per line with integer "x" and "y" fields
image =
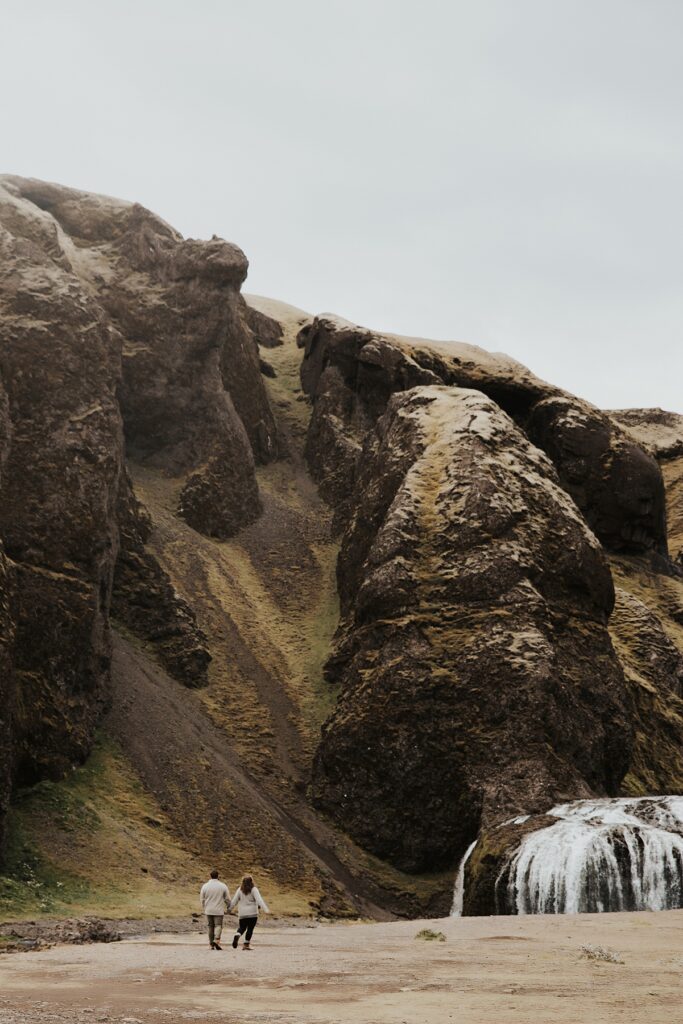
{"x": 260, "y": 900}
{"x": 235, "y": 900}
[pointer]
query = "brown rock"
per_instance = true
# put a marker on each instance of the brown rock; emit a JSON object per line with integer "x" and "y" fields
{"x": 616, "y": 483}
{"x": 478, "y": 678}
{"x": 267, "y": 332}
{"x": 105, "y": 310}
{"x": 63, "y": 461}
{"x": 191, "y": 395}
{"x": 350, "y": 373}
{"x": 145, "y": 601}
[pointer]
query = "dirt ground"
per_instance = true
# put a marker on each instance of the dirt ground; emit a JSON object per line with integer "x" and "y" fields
{"x": 487, "y": 971}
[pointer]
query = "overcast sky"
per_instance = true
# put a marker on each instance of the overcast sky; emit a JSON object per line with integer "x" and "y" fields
{"x": 504, "y": 172}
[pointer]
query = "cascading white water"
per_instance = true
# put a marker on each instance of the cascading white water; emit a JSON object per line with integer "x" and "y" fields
{"x": 459, "y": 891}
{"x": 601, "y": 855}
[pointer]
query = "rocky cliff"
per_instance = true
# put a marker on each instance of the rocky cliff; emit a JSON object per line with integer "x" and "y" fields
{"x": 116, "y": 335}
{"x": 376, "y": 595}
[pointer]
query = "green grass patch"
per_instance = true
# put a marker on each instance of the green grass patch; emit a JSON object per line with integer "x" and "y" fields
{"x": 429, "y": 935}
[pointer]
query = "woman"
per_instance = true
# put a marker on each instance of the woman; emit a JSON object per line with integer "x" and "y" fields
{"x": 248, "y": 900}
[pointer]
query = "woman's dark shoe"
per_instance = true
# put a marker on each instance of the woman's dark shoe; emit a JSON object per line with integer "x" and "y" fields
{"x": 235, "y": 940}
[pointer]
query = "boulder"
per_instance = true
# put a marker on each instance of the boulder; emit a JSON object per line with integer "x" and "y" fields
{"x": 478, "y": 679}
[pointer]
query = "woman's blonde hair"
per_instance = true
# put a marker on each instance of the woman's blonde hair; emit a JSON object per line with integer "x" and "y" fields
{"x": 247, "y": 884}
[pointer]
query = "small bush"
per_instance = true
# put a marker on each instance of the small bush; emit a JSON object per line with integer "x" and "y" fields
{"x": 431, "y": 936}
{"x": 607, "y": 956}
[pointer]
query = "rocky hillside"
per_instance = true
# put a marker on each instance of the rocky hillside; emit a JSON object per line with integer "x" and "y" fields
{"x": 371, "y": 595}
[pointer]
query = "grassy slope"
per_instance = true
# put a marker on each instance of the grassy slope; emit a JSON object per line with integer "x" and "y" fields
{"x": 97, "y": 843}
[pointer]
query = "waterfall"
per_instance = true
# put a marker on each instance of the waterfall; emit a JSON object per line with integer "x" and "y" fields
{"x": 601, "y": 855}
{"x": 459, "y": 891}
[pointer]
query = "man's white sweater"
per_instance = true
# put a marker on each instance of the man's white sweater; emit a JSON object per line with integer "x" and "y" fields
{"x": 215, "y": 897}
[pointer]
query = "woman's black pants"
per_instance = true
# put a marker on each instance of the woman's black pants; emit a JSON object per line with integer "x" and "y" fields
{"x": 246, "y": 927}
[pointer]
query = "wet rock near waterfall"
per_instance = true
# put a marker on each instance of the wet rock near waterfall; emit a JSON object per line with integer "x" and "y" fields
{"x": 350, "y": 373}
{"x": 587, "y": 856}
{"x": 473, "y": 647}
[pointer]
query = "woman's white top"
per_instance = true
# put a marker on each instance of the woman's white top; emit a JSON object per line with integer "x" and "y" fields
{"x": 248, "y": 903}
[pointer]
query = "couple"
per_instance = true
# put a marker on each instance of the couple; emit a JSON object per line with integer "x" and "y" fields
{"x": 215, "y": 898}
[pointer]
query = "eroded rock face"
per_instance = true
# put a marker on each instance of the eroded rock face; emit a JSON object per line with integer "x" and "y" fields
{"x": 644, "y": 645}
{"x": 191, "y": 394}
{"x": 145, "y": 601}
{"x": 114, "y": 332}
{"x": 614, "y": 481}
{"x": 62, "y": 466}
{"x": 351, "y": 373}
{"x": 478, "y": 677}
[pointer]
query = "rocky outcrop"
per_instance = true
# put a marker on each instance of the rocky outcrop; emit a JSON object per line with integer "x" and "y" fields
{"x": 58, "y": 488}
{"x": 267, "y": 332}
{"x": 191, "y": 394}
{"x": 350, "y": 373}
{"x": 115, "y": 334}
{"x": 146, "y": 603}
{"x": 477, "y": 675}
{"x": 661, "y": 433}
{"x": 616, "y": 483}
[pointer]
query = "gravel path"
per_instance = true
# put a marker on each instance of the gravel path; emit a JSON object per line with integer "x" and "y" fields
{"x": 488, "y": 970}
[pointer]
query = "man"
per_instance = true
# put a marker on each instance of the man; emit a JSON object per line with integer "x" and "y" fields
{"x": 215, "y": 897}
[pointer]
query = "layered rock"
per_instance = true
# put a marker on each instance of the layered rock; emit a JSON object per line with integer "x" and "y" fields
{"x": 192, "y": 398}
{"x": 616, "y": 483}
{"x": 350, "y": 373}
{"x": 145, "y": 601}
{"x": 60, "y": 478}
{"x": 477, "y": 675}
{"x": 114, "y": 333}
{"x": 661, "y": 433}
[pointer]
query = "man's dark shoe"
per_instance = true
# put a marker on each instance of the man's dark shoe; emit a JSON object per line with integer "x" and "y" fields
{"x": 216, "y": 946}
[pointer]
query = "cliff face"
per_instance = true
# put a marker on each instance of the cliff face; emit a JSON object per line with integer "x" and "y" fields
{"x": 350, "y": 373}
{"x": 478, "y": 678}
{"x": 473, "y": 645}
{"x": 159, "y": 526}
{"x": 115, "y": 335}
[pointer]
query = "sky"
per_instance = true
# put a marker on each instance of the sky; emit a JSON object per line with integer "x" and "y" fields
{"x": 503, "y": 172}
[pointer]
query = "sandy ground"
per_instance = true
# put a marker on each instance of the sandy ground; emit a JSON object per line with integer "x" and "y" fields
{"x": 488, "y": 970}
